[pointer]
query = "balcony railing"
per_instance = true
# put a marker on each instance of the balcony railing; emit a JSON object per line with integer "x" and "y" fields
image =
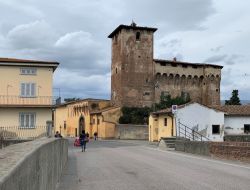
{"x": 27, "y": 101}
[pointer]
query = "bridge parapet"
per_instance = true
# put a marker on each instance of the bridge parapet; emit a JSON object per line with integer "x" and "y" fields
{"x": 33, "y": 165}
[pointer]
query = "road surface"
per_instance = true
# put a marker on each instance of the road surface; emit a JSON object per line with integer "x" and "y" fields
{"x": 128, "y": 165}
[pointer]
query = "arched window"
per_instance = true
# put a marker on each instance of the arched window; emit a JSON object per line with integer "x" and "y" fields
{"x": 138, "y": 36}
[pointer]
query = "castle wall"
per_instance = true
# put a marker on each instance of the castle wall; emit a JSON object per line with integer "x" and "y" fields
{"x": 202, "y": 83}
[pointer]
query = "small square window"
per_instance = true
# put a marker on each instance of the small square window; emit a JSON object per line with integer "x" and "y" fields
{"x": 215, "y": 129}
{"x": 247, "y": 128}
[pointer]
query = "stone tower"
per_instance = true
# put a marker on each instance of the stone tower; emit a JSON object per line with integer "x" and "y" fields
{"x": 132, "y": 70}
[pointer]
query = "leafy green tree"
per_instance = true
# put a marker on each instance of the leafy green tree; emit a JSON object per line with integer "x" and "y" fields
{"x": 134, "y": 115}
{"x": 166, "y": 101}
{"x": 234, "y": 100}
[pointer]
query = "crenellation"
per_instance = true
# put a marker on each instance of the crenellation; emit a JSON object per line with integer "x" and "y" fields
{"x": 137, "y": 79}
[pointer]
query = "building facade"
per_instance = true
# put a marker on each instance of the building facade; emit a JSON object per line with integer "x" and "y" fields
{"x": 209, "y": 122}
{"x": 26, "y": 93}
{"x": 137, "y": 79}
{"x": 91, "y": 115}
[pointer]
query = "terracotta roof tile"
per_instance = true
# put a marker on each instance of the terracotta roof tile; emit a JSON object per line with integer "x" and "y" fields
{"x": 236, "y": 110}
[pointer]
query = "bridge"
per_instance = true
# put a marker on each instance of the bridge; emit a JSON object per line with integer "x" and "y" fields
{"x": 113, "y": 164}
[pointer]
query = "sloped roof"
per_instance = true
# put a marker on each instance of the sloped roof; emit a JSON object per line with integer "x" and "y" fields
{"x": 169, "y": 110}
{"x": 14, "y": 60}
{"x": 25, "y": 62}
{"x": 234, "y": 110}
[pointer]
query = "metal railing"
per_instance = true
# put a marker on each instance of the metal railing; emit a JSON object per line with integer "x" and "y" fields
{"x": 189, "y": 133}
{"x": 19, "y": 133}
{"x": 25, "y": 101}
{"x": 16, "y": 134}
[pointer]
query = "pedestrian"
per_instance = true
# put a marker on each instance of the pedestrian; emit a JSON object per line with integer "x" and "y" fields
{"x": 95, "y": 136}
{"x": 83, "y": 140}
{"x": 58, "y": 135}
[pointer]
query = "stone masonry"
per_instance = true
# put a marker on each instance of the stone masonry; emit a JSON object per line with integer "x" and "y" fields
{"x": 137, "y": 79}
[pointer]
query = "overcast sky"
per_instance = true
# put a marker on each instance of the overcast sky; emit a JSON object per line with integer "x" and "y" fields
{"x": 74, "y": 33}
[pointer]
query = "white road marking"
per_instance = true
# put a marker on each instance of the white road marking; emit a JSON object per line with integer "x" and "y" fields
{"x": 198, "y": 158}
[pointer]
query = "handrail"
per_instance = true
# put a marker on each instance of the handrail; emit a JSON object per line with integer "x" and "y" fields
{"x": 29, "y": 100}
{"x": 194, "y": 134}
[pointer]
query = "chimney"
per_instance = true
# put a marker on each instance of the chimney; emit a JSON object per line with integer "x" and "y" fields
{"x": 174, "y": 59}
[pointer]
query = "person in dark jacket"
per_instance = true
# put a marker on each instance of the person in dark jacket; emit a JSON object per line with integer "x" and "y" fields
{"x": 95, "y": 135}
{"x": 83, "y": 140}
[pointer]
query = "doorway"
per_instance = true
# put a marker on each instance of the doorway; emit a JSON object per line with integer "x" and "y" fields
{"x": 81, "y": 126}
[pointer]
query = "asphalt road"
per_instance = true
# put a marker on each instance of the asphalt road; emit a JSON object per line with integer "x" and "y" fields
{"x": 122, "y": 165}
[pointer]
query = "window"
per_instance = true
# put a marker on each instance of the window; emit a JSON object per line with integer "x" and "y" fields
{"x": 247, "y": 128}
{"x": 28, "y": 71}
{"x": 98, "y": 121}
{"x": 93, "y": 121}
{"x": 28, "y": 90}
{"x": 146, "y": 94}
{"x": 116, "y": 70}
{"x": 138, "y": 36}
{"x": 215, "y": 129}
{"x": 165, "y": 121}
{"x": 27, "y": 120}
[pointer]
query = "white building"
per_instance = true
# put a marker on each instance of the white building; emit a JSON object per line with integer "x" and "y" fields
{"x": 236, "y": 119}
{"x": 207, "y": 121}
{"x": 212, "y": 122}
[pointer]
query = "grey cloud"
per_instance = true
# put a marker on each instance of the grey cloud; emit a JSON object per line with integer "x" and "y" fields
{"x": 224, "y": 58}
{"x": 33, "y": 35}
{"x": 216, "y": 58}
{"x": 95, "y": 86}
{"x": 216, "y": 49}
{"x": 171, "y": 15}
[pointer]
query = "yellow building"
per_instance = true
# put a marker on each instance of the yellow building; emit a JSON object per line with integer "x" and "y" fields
{"x": 26, "y": 94}
{"x": 91, "y": 115}
{"x": 161, "y": 124}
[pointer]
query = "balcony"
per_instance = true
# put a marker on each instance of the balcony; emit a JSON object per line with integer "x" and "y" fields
{"x": 19, "y": 101}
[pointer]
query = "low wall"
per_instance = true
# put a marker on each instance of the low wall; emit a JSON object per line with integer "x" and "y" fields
{"x": 194, "y": 147}
{"x": 237, "y": 138}
{"x": 231, "y": 150}
{"x": 131, "y": 132}
{"x": 7, "y": 142}
{"x": 33, "y": 165}
{"x": 226, "y": 150}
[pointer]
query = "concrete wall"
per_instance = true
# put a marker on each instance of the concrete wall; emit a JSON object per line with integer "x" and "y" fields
{"x": 224, "y": 150}
{"x": 197, "y": 115}
{"x": 235, "y": 124}
{"x": 131, "y": 132}
{"x": 34, "y": 165}
{"x": 7, "y": 142}
{"x": 194, "y": 147}
{"x": 237, "y": 138}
